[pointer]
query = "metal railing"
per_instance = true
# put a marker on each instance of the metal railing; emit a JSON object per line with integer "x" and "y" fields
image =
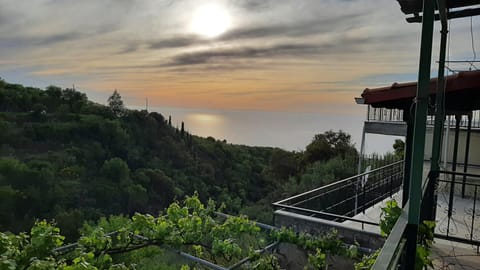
{"x": 396, "y": 115}
{"x": 458, "y": 207}
{"x": 384, "y": 115}
{"x": 393, "y": 251}
{"x": 342, "y": 200}
{"x": 463, "y": 121}
{"x": 459, "y": 202}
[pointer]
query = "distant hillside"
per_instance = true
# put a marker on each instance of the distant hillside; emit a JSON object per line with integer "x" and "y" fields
{"x": 66, "y": 158}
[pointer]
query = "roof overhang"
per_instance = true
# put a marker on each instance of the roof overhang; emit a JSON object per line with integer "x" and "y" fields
{"x": 462, "y": 93}
{"x": 457, "y": 9}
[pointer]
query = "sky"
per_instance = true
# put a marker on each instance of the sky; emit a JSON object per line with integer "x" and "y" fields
{"x": 263, "y": 55}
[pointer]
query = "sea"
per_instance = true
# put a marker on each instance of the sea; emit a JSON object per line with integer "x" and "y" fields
{"x": 291, "y": 131}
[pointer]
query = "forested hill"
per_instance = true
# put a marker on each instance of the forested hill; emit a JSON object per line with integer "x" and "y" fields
{"x": 66, "y": 158}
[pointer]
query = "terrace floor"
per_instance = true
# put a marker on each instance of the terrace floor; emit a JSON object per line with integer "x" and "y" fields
{"x": 450, "y": 255}
{"x": 446, "y": 254}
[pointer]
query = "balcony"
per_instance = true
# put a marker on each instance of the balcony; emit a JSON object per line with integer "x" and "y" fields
{"x": 352, "y": 206}
{"x": 387, "y": 121}
{"x": 340, "y": 206}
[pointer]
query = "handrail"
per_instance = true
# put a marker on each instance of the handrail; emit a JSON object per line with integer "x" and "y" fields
{"x": 324, "y": 213}
{"x": 459, "y": 183}
{"x": 460, "y": 174}
{"x": 337, "y": 183}
{"x": 396, "y": 116}
{"x": 388, "y": 257}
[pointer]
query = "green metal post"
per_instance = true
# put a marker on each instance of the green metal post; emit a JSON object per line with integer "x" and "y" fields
{"x": 439, "y": 111}
{"x": 408, "y": 156}
{"x": 419, "y": 131}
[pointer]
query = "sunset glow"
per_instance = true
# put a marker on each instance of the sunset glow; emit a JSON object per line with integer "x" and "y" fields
{"x": 217, "y": 54}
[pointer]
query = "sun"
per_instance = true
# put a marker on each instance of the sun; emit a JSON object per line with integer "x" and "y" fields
{"x": 210, "y": 20}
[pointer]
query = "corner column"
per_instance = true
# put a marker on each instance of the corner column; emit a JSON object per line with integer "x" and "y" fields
{"x": 419, "y": 131}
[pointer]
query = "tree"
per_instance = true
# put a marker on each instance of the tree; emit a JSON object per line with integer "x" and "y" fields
{"x": 283, "y": 163}
{"x": 116, "y": 170}
{"x": 328, "y": 145}
{"x": 399, "y": 148}
{"x": 115, "y": 103}
{"x": 318, "y": 149}
{"x": 75, "y": 100}
{"x": 341, "y": 143}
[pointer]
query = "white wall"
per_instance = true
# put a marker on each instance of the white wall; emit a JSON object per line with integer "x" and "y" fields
{"x": 474, "y": 155}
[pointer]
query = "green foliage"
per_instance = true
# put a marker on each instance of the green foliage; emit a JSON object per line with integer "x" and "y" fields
{"x": 318, "y": 260}
{"x": 283, "y": 164}
{"x": 268, "y": 262}
{"x": 68, "y": 159}
{"x": 31, "y": 250}
{"x": 329, "y": 144}
{"x": 399, "y": 148}
{"x": 318, "y": 248}
{"x": 116, "y": 170}
{"x": 367, "y": 261}
{"x": 189, "y": 226}
{"x": 425, "y": 240}
{"x": 115, "y": 103}
{"x": 389, "y": 216}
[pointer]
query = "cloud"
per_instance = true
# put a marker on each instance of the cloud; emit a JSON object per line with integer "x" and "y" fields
{"x": 221, "y": 55}
{"x": 63, "y": 37}
{"x": 129, "y": 49}
{"x": 266, "y": 31}
{"x": 176, "y": 42}
{"x": 253, "y": 5}
{"x": 338, "y": 45}
{"x": 300, "y": 28}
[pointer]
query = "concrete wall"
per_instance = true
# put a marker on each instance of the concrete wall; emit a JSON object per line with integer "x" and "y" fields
{"x": 317, "y": 226}
{"x": 399, "y": 129}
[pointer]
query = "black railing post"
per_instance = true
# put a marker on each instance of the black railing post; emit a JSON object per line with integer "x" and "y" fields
{"x": 390, "y": 186}
{"x": 363, "y": 194}
{"x": 458, "y": 118}
{"x": 467, "y": 152}
{"x": 473, "y": 212}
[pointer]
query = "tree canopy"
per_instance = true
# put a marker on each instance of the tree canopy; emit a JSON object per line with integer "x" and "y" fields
{"x": 115, "y": 103}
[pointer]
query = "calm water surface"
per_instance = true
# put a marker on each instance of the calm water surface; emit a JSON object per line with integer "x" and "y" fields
{"x": 287, "y": 130}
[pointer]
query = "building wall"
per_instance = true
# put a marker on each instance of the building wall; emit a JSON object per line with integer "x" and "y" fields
{"x": 474, "y": 154}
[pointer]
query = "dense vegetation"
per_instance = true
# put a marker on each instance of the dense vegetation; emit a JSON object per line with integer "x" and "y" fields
{"x": 187, "y": 226}
{"x": 65, "y": 158}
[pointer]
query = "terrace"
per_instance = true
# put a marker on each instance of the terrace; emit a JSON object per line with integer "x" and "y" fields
{"x": 426, "y": 191}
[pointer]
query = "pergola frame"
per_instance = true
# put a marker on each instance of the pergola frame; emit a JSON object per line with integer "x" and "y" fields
{"x": 419, "y": 195}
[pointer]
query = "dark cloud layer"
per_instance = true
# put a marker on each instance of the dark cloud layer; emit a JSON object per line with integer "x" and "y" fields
{"x": 300, "y": 29}
{"x": 176, "y": 42}
{"x": 211, "y": 56}
{"x": 253, "y": 5}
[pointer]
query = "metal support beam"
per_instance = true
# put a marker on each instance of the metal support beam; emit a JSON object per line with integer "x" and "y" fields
{"x": 408, "y": 158}
{"x": 439, "y": 112}
{"x": 419, "y": 131}
{"x": 467, "y": 152}
{"x": 458, "y": 118}
{"x": 362, "y": 151}
{"x": 469, "y": 12}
